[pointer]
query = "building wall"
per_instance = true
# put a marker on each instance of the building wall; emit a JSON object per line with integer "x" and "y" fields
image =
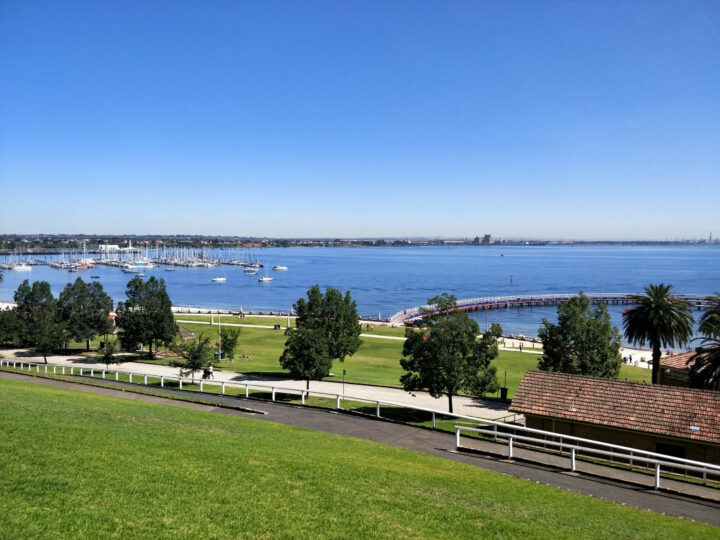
{"x": 699, "y": 451}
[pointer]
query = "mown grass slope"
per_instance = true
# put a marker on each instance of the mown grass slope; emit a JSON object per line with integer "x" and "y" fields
{"x": 83, "y": 465}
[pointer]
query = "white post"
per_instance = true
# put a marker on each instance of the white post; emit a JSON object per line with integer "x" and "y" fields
{"x": 92, "y": 372}
{"x": 38, "y": 368}
{"x": 53, "y": 369}
{"x": 495, "y": 431}
{"x": 273, "y": 394}
{"x": 457, "y": 438}
{"x": 103, "y": 373}
{"x": 145, "y": 381}
{"x": 45, "y": 368}
{"x": 657, "y": 476}
{"x": 223, "y": 389}
{"x": 130, "y": 379}
{"x": 377, "y": 409}
{"x": 302, "y": 397}
{"x": 63, "y": 370}
{"x": 337, "y": 402}
{"x": 433, "y": 419}
{"x": 247, "y": 391}
{"x": 117, "y": 375}
{"x": 180, "y": 382}
{"x": 162, "y": 382}
{"x": 510, "y": 447}
{"x": 201, "y": 385}
{"x": 72, "y": 370}
{"x": 572, "y": 459}
{"x": 81, "y": 372}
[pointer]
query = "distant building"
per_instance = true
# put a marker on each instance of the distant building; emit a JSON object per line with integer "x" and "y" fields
{"x": 681, "y": 422}
{"x": 487, "y": 240}
{"x": 675, "y": 370}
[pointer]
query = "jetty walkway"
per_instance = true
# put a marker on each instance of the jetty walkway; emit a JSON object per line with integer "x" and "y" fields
{"x": 530, "y": 300}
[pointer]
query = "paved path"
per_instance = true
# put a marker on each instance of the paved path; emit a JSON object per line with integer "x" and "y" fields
{"x": 488, "y": 409}
{"x": 632, "y": 489}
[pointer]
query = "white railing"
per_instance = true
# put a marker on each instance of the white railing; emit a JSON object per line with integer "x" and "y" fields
{"x": 114, "y": 374}
{"x": 576, "y": 445}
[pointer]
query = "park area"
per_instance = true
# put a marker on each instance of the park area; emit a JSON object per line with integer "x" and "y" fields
{"x": 78, "y": 464}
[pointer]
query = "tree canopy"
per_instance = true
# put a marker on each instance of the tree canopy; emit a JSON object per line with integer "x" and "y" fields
{"x": 196, "y": 353}
{"x": 660, "y": 319}
{"x": 326, "y": 329}
{"x": 445, "y": 355}
{"x": 705, "y": 369}
{"x": 582, "y": 342}
{"x": 41, "y": 328}
{"x": 146, "y": 316}
{"x": 84, "y": 309}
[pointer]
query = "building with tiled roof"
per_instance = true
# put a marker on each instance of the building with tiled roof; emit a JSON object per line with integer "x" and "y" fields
{"x": 671, "y": 420}
{"x": 675, "y": 369}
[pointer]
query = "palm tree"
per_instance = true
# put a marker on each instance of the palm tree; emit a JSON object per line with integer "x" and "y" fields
{"x": 705, "y": 371}
{"x": 660, "y": 319}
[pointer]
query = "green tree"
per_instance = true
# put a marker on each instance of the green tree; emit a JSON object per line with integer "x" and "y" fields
{"x": 496, "y": 330}
{"x": 583, "y": 341}
{"x": 660, "y": 319}
{"x": 41, "y": 328}
{"x": 10, "y": 327}
{"x": 326, "y": 329}
{"x": 705, "y": 369}
{"x": 108, "y": 355}
{"x": 146, "y": 316}
{"x": 196, "y": 353}
{"x": 306, "y": 354}
{"x": 445, "y": 355}
{"x": 84, "y": 309}
{"x": 228, "y": 339}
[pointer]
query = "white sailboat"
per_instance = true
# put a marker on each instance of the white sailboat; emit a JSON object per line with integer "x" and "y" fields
{"x": 279, "y": 268}
{"x": 265, "y": 278}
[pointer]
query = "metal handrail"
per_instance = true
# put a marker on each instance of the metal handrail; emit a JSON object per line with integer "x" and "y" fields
{"x": 616, "y": 451}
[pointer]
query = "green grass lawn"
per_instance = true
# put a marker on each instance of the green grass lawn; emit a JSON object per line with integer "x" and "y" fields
{"x": 82, "y": 465}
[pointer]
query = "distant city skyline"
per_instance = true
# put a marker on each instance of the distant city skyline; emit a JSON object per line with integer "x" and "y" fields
{"x": 584, "y": 121}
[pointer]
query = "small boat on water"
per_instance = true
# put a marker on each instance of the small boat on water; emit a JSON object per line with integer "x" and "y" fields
{"x": 265, "y": 279}
{"x": 94, "y": 277}
{"x": 250, "y": 271}
{"x": 219, "y": 279}
{"x": 22, "y": 267}
{"x": 278, "y": 268}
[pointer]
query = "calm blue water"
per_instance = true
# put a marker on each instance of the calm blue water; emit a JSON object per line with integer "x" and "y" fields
{"x": 386, "y": 280}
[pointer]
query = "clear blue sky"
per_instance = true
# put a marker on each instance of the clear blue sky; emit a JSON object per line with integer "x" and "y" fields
{"x": 361, "y": 118}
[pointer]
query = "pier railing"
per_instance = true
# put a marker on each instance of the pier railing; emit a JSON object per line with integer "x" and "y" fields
{"x": 493, "y": 302}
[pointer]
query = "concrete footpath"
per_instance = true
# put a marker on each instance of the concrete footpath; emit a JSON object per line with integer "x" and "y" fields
{"x": 681, "y": 499}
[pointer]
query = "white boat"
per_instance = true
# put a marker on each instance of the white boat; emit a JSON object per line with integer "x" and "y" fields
{"x": 22, "y": 267}
{"x": 250, "y": 271}
{"x": 219, "y": 279}
{"x": 265, "y": 279}
{"x": 278, "y": 267}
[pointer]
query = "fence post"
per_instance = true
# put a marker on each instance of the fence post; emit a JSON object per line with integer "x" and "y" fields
{"x": 457, "y": 438}
{"x": 81, "y": 371}
{"x": 92, "y": 372}
{"x": 45, "y": 368}
{"x": 377, "y": 409}
{"x": 657, "y": 476}
{"x": 273, "y": 394}
{"x": 510, "y": 447}
{"x": 433, "y": 416}
{"x": 201, "y": 385}
{"x": 180, "y": 382}
{"x": 162, "y": 382}
{"x": 223, "y": 388}
{"x": 72, "y": 370}
{"x": 117, "y": 375}
{"x": 572, "y": 459}
{"x": 63, "y": 370}
{"x": 247, "y": 391}
{"x": 53, "y": 369}
{"x": 495, "y": 431}
{"x": 103, "y": 373}
{"x": 302, "y": 397}
{"x": 145, "y": 381}
{"x": 337, "y": 402}
{"x": 130, "y": 378}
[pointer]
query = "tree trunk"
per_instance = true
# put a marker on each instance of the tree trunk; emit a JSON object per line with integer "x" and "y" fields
{"x": 87, "y": 345}
{"x": 150, "y": 351}
{"x": 307, "y": 386}
{"x": 655, "y": 362}
{"x": 450, "y": 402}
{"x": 45, "y": 357}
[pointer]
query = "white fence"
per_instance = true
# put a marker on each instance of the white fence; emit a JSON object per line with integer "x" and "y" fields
{"x": 576, "y": 445}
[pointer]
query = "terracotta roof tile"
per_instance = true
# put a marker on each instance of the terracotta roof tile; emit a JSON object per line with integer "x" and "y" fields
{"x": 677, "y": 361}
{"x": 667, "y": 410}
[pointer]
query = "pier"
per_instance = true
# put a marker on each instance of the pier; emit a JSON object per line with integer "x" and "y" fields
{"x": 531, "y": 300}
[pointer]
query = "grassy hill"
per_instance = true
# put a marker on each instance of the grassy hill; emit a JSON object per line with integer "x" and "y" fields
{"x": 80, "y": 465}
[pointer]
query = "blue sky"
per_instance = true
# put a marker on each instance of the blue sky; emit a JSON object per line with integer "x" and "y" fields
{"x": 285, "y": 119}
